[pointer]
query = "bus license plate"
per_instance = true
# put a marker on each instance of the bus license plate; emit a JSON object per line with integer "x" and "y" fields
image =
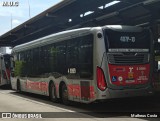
{"x": 130, "y": 81}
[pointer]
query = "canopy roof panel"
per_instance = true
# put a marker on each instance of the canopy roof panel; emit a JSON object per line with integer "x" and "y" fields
{"x": 70, "y": 14}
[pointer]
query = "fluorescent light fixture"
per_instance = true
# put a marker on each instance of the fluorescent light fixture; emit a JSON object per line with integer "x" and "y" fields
{"x": 101, "y": 7}
{"x": 81, "y": 15}
{"x": 88, "y": 13}
{"x": 111, "y": 3}
{"x": 69, "y": 20}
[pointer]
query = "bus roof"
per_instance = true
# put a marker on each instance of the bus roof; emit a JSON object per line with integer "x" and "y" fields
{"x": 123, "y": 28}
{"x": 68, "y": 34}
{"x": 57, "y": 37}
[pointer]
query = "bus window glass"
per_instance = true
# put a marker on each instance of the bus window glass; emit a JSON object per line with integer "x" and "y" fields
{"x": 127, "y": 39}
{"x": 72, "y": 56}
{"x": 61, "y": 58}
{"x": 53, "y": 58}
{"x": 86, "y": 56}
{"x": 75, "y": 57}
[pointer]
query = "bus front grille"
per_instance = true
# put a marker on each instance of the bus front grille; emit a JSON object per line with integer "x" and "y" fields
{"x": 128, "y": 58}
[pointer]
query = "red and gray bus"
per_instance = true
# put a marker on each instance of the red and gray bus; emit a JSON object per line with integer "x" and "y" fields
{"x": 86, "y": 64}
{"x": 5, "y": 69}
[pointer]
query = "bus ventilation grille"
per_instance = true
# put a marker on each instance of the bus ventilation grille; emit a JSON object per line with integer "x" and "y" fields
{"x": 121, "y": 58}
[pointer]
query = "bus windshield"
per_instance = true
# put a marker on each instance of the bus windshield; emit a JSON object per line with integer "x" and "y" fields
{"x": 127, "y": 40}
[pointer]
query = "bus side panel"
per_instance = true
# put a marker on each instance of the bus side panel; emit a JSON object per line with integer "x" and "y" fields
{"x": 37, "y": 85}
{"x": 3, "y": 73}
{"x": 14, "y": 83}
{"x": 79, "y": 90}
{"x": 99, "y": 54}
{"x": 87, "y": 91}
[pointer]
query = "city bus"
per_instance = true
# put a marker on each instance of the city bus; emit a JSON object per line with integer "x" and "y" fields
{"x": 86, "y": 65}
{"x": 5, "y": 69}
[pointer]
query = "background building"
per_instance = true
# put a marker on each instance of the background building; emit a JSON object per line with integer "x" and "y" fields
{"x": 2, "y": 49}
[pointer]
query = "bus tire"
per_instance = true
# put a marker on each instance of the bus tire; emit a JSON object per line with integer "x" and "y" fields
{"x": 52, "y": 92}
{"x": 18, "y": 86}
{"x": 64, "y": 95}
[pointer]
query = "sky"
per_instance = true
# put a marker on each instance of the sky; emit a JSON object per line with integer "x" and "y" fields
{"x": 20, "y": 13}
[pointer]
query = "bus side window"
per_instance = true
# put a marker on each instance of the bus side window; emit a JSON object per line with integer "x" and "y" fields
{"x": 72, "y": 57}
{"x": 86, "y": 56}
{"x": 80, "y": 57}
{"x": 61, "y": 58}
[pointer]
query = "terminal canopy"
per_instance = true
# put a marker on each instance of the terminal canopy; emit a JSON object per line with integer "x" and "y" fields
{"x": 70, "y": 14}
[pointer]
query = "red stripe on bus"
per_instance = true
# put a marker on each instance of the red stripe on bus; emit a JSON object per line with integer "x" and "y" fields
{"x": 73, "y": 90}
{"x": 76, "y": 91}
{"x": 40, "y": 86}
